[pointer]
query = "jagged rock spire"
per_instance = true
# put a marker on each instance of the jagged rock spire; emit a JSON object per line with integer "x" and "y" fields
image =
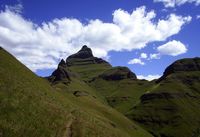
{"x": 62, "y": 63}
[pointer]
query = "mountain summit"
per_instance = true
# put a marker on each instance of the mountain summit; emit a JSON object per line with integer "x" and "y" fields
{"x": 82, "y": 63}
{"x": 89, "y": 67}
{"x": 85, "y": 52}
{"x": 84, "y": 57}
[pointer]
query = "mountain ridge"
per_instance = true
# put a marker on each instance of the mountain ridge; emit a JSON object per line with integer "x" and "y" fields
{"x": 124, "y": 92}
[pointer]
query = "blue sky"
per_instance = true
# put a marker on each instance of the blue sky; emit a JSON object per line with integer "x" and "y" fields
{"x": 41, "y": 32}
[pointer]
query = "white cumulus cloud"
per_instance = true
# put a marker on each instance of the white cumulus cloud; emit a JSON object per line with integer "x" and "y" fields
{"x": 149, "y": 77}
{"x": 198, "y": 17}
{"x": 143, "y": 55}
{"x": 136, "y": 61}
{"x": 173, "y": 3}
{"x": 41, "y": 46}
{"x": 172, "y": 48}
{"x": 154, "y": 56}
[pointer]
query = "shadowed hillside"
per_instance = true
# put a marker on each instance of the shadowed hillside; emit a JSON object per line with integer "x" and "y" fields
{"x": 172, "y": 106}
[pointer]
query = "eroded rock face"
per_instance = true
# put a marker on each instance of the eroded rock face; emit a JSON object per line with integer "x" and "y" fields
{"x": 118, "y": 73}
{"x": 61, "y": 73}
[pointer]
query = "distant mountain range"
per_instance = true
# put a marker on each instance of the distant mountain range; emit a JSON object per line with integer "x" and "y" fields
{"x": 88, "y": 97}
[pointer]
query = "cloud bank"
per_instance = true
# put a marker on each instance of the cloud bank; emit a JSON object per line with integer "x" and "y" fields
{"x": 41, "y": 46}
{"x": 173, "y": 3}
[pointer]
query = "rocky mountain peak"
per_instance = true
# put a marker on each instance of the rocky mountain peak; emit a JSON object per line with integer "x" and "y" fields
{"x": 84, "y": 53}
{"x": 62, "y": 63}
{"x": 85, "y": 47}
{"x": 84, "y": 57}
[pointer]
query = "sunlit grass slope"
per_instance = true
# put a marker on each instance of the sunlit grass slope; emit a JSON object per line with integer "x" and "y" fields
{"x": 30, "y": 107}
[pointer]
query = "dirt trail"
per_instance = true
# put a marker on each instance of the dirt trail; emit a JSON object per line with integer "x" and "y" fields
{"x": 68, "y": 127}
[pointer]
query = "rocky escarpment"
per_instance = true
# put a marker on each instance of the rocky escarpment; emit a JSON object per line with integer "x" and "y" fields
{"x": 183, "y": 65}
{"x": 61, "y": 73}
{"x": 166, "y": 95}
{"x": 118, "y": 73}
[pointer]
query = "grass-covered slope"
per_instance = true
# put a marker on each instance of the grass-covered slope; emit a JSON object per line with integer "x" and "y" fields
{"x": 117, "y": 86}
{"x": 172, "y": 106}
{"x": 30, "y": 107}
{"x": 121, "y": 94}
{"x": 88, "y": 71}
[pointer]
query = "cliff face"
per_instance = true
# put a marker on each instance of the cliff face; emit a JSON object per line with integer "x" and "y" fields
{"x": 62, "y": 73}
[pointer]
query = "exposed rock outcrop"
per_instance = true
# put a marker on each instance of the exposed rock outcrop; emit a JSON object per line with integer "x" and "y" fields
{"x": 80, "y": 93}
{"x": 84, "y": 57}
{"x": 61, "y": 73}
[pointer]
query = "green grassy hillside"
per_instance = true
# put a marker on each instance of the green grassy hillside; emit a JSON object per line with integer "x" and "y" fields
{"x": 30, "y": 107}
{"x": 89, "y": 71}
{"x": 172, "y": 106}
{"x": 85, "y": 95}
{"x": 167, "y": 107}
{"x": 121, "y": 94}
